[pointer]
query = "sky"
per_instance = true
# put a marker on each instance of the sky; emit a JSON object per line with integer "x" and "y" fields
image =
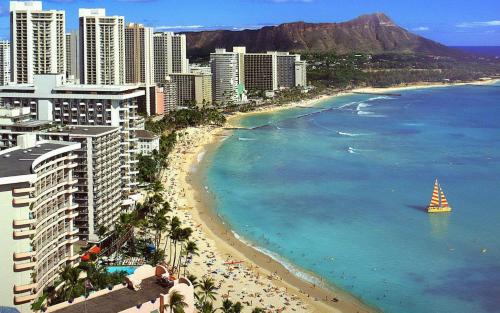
{"x": 451, "y": 22}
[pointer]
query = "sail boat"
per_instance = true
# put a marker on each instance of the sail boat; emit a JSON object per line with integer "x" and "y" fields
{"x": 438, "y": 204}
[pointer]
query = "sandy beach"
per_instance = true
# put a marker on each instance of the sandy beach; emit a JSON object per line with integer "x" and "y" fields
{"x": 258, "y": 281}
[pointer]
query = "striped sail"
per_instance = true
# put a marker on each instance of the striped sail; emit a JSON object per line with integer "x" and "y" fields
{"x": 444, "y": 202}
{"x": 435, "y": 195}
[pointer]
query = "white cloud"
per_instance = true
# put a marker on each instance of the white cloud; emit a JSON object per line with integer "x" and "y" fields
{"x": 421, "y": 29}
{"x": 479, "y": 24}
{"x": 167, "y": 27}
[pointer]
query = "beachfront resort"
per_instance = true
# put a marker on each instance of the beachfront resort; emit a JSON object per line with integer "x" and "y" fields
{"x": 98, "y": 214}
{"x": 147, "y": 170}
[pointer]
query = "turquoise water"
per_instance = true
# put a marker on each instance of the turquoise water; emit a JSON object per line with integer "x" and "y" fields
{"x": 128, "y": 269}
{"x": 341, "y": 193}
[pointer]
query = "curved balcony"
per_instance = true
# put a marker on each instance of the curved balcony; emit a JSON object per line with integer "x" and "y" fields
{"x": 23, "y": 288}
{"x": 72, "y": 215}
{"x": 23, "y": 255}
{"x": 22, "y": 201}
{"x": 24, "y": 266}
{"x": 27, "y": 222}
{"x": 23, "y": 190}
{"x": 23, "y": 233}
{"x": 24, "y": 299}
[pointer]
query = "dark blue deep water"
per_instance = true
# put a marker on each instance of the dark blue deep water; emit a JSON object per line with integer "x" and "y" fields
{"x": 341, "y": 193}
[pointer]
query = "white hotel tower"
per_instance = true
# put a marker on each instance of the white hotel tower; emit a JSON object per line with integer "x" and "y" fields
{"x": 102, "y": 48}
{"x": 37, "y": 225}
{"x": 37, "y": 41}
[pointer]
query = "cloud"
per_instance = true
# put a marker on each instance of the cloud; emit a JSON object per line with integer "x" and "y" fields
{"x": 177, "y": 27}
{"x": 479, "y": 24}
{"x": 421, "y": 29}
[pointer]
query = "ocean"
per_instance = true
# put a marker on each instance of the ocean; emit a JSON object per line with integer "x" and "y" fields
{"x": 340, "y": 190}
{"x": 491, "y": 51}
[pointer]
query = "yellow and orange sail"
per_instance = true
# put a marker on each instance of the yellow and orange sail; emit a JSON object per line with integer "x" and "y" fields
{"x": 438, "y": 204}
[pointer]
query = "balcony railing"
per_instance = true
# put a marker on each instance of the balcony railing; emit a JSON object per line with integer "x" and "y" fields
{"x": 24, "y": 299}
{"x": 24, "y": 266}
{"x": 26, "y": 222}
{"x": 23, "y": 255}
{"x": 23, "y": 233}
{"x": 23, "y": 288}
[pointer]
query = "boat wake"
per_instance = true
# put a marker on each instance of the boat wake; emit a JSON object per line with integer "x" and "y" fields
{"x": 351, "y": 150}
{"x": 349, "y": 134}
{"x": 356, "y": 151}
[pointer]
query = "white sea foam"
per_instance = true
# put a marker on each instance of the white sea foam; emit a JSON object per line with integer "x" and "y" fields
{"x": 380, "y": 98}
{"x": 350, "y": 104}
{"x": 362, "y": 105}
{"x": 246, "y": 139}
{"x": 286, "y": 264}
{"x": 200, "y": 156}
{"x": 365, "y": 112}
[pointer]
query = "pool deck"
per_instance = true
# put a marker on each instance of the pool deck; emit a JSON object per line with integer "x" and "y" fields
{"x": 119, "y": 300}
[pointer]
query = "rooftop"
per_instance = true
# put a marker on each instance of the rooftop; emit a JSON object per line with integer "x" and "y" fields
{"x": 86, "y": 130}
{"x": 119, "y": 300}
{"x": 17, "y": 161}
{"x": 145, "y": 134}
{"x": 32, "y": 124}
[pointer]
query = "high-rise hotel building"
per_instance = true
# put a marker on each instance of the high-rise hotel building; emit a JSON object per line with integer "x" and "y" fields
{"x": 98, "y": 173}
{"x": 102, "y": 48}
{"x": 37, "y": 230}
{"x": 226, "y": 87}
{"x": 261, "y": 71}
{"x": 139, "y": 60}
{"x": 72, "y": 57}
{"x": 169, "y": 55}
{"x": 37, "y": 41}
{"x": 50, "y": 98}
{"x": 4, "y": 62}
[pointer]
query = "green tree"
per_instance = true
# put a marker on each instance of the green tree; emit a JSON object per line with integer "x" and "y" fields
{"x": 207, "y": 290}
{"x": 207, "y": 307}
{"x": 227, "y": 306}
{"x": 176, "y": 303}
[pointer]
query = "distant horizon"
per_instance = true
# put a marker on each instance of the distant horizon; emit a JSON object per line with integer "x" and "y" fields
{"x": 463, "y": 24}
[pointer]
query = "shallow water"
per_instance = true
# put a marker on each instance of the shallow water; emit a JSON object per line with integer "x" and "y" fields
{"x": 339, "y": 190}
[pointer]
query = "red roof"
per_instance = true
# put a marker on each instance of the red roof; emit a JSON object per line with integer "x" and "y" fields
{"x": 95, "y": 250}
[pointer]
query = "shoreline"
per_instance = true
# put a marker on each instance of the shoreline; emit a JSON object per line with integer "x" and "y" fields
{"x": 314, "y": 294}
{"x": 233, "y": 119}
{"x": 200, "y": 149}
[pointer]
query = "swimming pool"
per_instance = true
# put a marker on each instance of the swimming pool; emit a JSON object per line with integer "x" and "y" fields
{"x": 128, "y": 269}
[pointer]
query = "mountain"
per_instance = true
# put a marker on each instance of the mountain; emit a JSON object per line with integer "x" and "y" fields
{"x": 372, "y": 33}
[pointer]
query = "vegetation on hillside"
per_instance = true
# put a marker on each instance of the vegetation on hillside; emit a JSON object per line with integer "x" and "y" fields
{"x": 383, "y": 70}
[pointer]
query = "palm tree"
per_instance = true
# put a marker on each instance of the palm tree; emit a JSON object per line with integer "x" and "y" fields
{"x": 73, "y": 286}
{"x": 158, "y": 223}
{"x": 207, "y": 307}
{"x": 194, "y": 280}
{"x": 237, "y": 307}
{"x": 227, "y": 306}
{"x": 258, "y": 310}
{"x": 184, "y": 235}
{"x": 208, "y": 288}
{"x": 174, "y": 226}
{"x": 191, "y": 249}
{"x": 176, "y": 302}
{"x": 51, "y": 293}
